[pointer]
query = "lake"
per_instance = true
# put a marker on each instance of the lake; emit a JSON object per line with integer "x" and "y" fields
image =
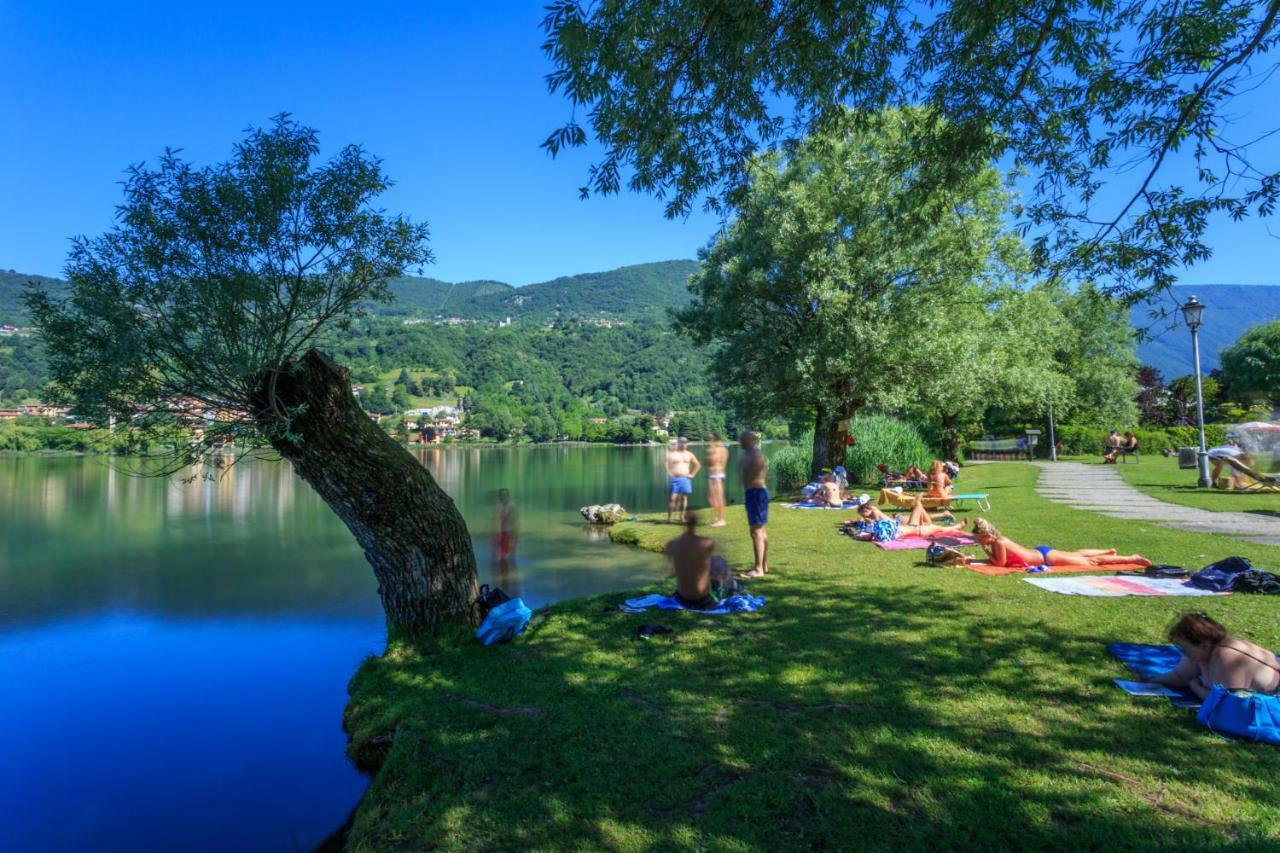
{"x": 175, "y": 653}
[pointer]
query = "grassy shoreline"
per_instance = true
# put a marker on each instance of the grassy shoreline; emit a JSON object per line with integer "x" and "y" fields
{"x": 872, "y": 703}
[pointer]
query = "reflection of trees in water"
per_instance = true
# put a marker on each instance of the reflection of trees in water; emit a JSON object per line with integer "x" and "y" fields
{"x": 77, "y": 534}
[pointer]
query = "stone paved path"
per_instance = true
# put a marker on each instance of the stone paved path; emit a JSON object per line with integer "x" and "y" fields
{"x": 1101, "y": 489}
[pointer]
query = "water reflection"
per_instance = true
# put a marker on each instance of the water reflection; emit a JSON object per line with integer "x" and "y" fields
{"x": 178, "y": 650}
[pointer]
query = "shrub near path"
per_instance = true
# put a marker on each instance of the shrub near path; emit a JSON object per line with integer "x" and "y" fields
{"x": 873, "y": 703}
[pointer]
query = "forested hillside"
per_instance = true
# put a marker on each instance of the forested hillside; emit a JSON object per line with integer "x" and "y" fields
{"x": 555, "y": 371}
{"x": 12, "y": 285}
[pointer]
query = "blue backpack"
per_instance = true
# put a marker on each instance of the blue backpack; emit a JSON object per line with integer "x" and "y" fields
{"x": 1243, "y": 713}
{"x": 504, "y": 622}
{"x": 1221, "y": 575}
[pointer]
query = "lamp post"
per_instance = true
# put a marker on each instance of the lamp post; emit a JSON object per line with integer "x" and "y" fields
{"x": 1193, "y": 313}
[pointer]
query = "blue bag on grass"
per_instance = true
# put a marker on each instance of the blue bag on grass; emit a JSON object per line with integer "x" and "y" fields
{"x": 1243, "y": 713}
{"x": 504, "y": 622}
{"x": 1221, "y": 575}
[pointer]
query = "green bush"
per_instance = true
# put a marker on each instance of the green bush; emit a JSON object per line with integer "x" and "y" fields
{"x": 1089, "y": 441}
{"x": 896, "y": 443}
{"x": 791, "y": 464}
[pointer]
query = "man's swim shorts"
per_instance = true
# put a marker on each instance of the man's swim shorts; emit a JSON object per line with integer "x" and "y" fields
{"x": 757, "y": 503}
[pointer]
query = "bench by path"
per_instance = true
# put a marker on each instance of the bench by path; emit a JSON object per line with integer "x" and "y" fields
{"x": 1101, "y": 489}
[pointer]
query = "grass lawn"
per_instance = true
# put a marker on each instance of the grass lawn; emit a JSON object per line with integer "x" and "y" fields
{"x": 873, "y": 703}
{"x": 1162, "y": 478}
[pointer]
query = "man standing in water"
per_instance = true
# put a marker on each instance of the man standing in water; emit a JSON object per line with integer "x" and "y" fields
{"x": 752, "y": 468}
{"x": 682, "y": 467}
{"x": 717, "y": 458}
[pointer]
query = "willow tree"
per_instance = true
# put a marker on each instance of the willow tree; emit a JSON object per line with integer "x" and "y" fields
{"x": 1094, "y": 99}
{"x": 205, "y": 305}
{"x": 833, "y": 289}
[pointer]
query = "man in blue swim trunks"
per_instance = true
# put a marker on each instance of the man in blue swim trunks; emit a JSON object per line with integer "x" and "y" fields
{"x": 752, "y": 466}
{"x": 682, "y": 467}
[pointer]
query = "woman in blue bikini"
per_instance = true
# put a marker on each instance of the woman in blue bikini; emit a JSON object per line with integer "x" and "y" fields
{"x": 1003, "y": 551}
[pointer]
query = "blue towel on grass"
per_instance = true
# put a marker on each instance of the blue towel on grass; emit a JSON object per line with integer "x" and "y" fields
{"x": 733, "y": 604}
{"x": 1150, "y": 661}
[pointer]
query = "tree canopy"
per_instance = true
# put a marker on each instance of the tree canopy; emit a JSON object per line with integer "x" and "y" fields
{"x": 1251, "y": 366}
{"x": 835, "y": 288}
{"x": 1093, "y": 99}
{"x": 216, "y": 276}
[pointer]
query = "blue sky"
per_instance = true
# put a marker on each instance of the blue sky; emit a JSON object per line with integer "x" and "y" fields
{"x": 450, "y": 95}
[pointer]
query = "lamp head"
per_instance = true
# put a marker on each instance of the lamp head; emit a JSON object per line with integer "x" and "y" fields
{"x": 1192, "y": 312}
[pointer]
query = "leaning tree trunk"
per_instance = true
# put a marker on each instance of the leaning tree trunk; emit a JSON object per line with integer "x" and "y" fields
{"x": 830, "y": 430}
{"x": 409, "y": 528}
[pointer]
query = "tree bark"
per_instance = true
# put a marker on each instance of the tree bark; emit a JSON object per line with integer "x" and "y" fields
{"x": 829, "y": 432}
{"x": 409, "y": 528}
{"x": 950, "y": 437}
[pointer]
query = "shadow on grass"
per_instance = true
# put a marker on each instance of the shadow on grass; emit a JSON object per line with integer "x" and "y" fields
{"x": 897, "y": 717}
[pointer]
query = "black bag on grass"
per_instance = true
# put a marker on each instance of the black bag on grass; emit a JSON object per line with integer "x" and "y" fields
{"x": 488, "y": 599}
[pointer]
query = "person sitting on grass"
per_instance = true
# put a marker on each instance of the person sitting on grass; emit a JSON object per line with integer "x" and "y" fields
{"x": 939, "y": 481}
{"x": 690, "y": 556}
{"x": 1003, "y": 551}
{"x": 920, "y": 523}
{"x": 1212, "y": 656}
{"x": 827, "y": 493}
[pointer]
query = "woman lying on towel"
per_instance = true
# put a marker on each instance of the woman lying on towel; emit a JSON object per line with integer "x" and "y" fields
{"x": 882, "y": 528}
{"x": 1003, "y": 551}
{"x": 1212, "y": 656}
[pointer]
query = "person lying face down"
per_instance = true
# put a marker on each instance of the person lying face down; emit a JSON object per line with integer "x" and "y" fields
{"x": 1212, "y": 656}
{"x": 1003, "y": 551}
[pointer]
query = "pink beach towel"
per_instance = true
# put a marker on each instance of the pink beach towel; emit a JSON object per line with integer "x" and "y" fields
{"x": 919, "y": 543}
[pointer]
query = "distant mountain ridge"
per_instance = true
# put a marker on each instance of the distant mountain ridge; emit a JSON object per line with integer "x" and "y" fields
{"x": 1230, "y": 309}
{"x": 637, "y": 292}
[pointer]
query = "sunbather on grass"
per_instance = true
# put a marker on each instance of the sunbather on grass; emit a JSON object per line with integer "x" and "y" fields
{"x": 1003, "y": 551}
{"x": 1212, "y": 656}
{"x": 919, "y": 523}
{"x": 828, "y": 492}
{"x": 939, "y": 481}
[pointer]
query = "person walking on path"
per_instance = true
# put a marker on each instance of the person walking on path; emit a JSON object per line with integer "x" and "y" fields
{"x": 752, "y": 466}
{"x": 682, "y": 467}
{"x": 717, "y": 458}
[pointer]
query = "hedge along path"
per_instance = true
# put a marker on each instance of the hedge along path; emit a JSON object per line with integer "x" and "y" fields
{"x": 1101, "y": 489}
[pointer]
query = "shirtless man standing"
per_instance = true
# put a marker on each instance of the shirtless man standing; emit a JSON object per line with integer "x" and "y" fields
{"x": 717, "y": 458}
{"x": 682, "y": 467}
{"x": 752, "y": 468}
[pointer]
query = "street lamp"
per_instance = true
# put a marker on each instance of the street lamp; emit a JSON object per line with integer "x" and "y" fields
{"x": 1193, "y": 313}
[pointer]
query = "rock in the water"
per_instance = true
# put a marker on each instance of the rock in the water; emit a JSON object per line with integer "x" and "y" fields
{"x": 603, "y": 514}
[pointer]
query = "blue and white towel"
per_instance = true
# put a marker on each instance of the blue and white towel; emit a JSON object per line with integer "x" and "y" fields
{"x": 733, "y": 604}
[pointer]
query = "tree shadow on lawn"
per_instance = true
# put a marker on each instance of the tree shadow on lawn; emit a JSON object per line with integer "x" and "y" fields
{"x": 892, "y": 718}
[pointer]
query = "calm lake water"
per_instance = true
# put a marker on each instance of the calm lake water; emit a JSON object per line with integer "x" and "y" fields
{"x": 175, "y": 654}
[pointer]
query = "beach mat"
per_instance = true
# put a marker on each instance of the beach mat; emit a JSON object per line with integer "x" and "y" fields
{"x": 988, "y": 569}
{"x": 919, "y": 543}
{"x": 1114, "y": 586}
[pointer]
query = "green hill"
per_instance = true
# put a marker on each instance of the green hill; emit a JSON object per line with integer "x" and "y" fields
{"x": 12, "y": 285}
{"x": 639, "y": 292}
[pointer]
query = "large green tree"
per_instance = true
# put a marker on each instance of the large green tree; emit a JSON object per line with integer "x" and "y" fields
{"x": 212, "y": 292}
{"x": 832, "y": 290}
{"x": 1094, "y": 99}
{"x": 1251, "y": 366}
